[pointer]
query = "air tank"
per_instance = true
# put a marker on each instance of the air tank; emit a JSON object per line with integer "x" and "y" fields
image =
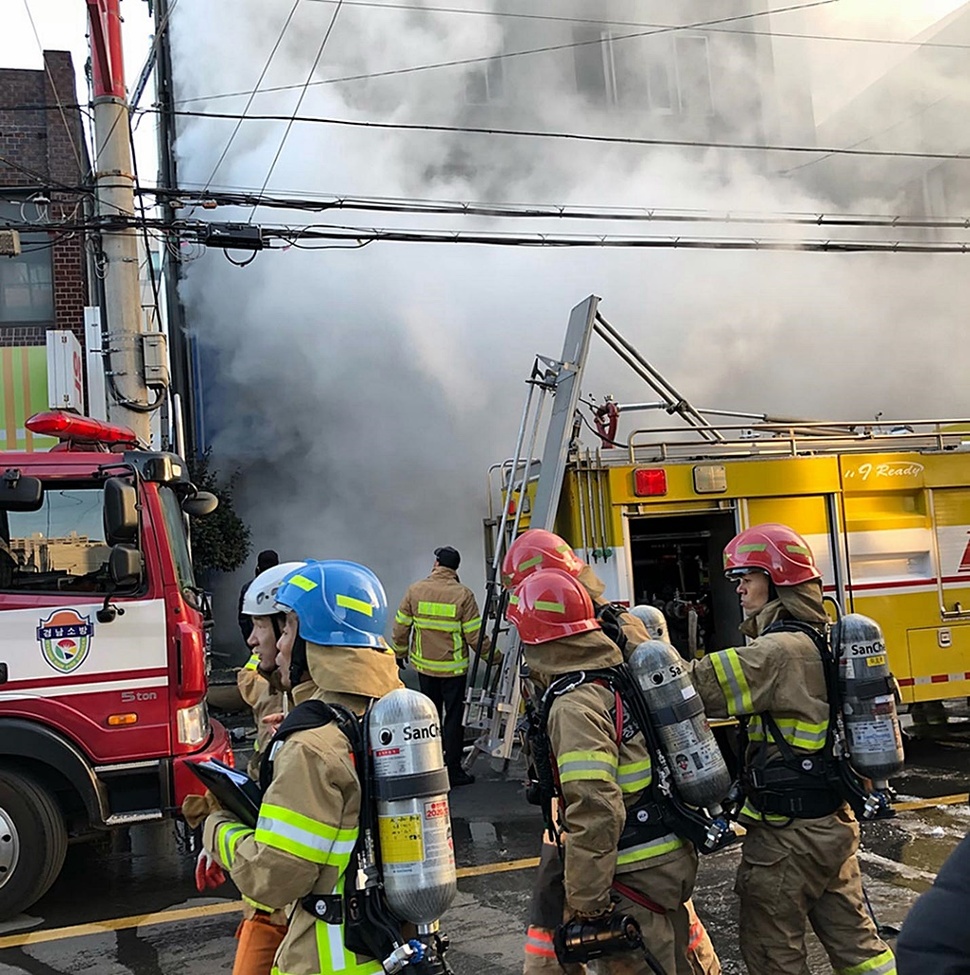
{"x": 868, "y": 700}
{"x": 700, "y": 773}
{"x": 413, "y": 818}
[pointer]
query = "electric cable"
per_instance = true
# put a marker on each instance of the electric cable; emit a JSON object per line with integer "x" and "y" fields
{"x": 505, "y": 55}
{"x": 289, "y": 125}
{"x": 555, "y": 211}
{"x": 506, "y": 14}
{"x": 252, "y": 95}
{"x": 586, "y": 136}
{"x": 57, "y": 96}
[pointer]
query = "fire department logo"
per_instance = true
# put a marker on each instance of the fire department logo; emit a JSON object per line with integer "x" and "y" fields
{"x": 65, "y": 639}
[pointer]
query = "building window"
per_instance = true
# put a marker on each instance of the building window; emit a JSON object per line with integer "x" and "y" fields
{"x": 485, "y": 83}
{"x": 627, "y": 72}
{"x": 27, "y": 281}
{"x": 693, "y": 75}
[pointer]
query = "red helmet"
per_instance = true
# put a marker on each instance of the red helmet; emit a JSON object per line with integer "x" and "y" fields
{"x": 776, "y": 550}
{"x": 537, "y": 549}
{"x": 548, "y": 605}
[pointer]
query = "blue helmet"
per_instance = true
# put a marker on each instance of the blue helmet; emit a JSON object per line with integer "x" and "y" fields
{"x": 338, "y": 604}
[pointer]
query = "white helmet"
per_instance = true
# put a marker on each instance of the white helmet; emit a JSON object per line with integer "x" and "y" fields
{"x": 653, "y": 620}
{"x": 260, "y": 598}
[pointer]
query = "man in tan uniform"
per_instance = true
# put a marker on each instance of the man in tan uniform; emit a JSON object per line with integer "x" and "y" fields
{"x": 798, "y": 860}
{"x": 436, "y": 624}
{"x": 309, "y": 817}
{"x": 536, "y": 549}
{"x": 614, "y": 850}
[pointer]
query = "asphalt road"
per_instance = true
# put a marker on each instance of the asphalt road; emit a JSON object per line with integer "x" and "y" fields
{"x": 128, "y": 905}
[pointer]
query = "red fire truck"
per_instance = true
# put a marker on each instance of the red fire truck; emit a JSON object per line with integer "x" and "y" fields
{"x": 103, "y": 645}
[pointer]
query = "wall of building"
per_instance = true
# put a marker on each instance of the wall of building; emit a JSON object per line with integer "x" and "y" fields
{"x": 42, "y": 149}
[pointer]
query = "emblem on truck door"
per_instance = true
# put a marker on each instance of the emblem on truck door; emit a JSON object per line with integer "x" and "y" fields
{"x": 65, "y": 639}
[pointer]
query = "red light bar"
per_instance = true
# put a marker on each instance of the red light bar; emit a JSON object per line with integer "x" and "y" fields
{"x": 649, "y": 482}
{"x": 69, "y": 426}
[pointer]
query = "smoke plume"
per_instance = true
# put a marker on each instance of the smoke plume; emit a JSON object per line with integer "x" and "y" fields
{"x": 365, "y": 392}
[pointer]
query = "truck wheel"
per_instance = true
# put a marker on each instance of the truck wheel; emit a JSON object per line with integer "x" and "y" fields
{"x": 33, "y": 842}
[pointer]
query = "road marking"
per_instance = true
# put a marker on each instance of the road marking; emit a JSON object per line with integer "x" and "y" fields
{"x": 956, "y": 800}
{"x": 206, "y": 910}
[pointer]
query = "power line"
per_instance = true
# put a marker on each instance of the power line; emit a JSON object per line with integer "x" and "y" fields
{"x": 643, "y": 242}
{"x": 553, "y": 211}
{"x": 504, "y": 14}
{"x": 304, "y": 236}
{"x": 289, "y": 125}
{"x": 57, "y": 95}
{"x": 517, "y": 54}
{"x": 585, "y": 136}
{"x": 259, "y": 81}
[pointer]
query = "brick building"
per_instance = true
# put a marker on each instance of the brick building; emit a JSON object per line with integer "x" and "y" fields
{"x": 43, "y": 164}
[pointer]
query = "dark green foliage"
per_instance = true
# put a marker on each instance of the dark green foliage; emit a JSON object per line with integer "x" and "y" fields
{"x": 220, "y": 540}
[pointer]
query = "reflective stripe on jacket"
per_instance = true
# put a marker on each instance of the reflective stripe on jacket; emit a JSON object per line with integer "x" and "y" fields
{"x": 437, "y": 623}
{"x": 778, "y": 673}
{"x": 302, "y": 844}
{"x": 599, "y": 781}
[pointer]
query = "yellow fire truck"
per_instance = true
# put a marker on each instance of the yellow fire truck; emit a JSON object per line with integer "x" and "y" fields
{"x": 885, "y": 507}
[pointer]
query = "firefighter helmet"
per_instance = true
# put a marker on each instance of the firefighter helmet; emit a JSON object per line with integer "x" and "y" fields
{"x": 338, "y": 604}
{"x": 260, "y": 597}
{"x": 537, "y": 549}
{"x": 654, "y": 621}
{"x": 550, "y": 604}
{"x": 777, "y": 550}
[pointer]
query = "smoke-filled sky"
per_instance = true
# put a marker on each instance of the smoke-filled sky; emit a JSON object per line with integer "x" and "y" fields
{"x": 365, "y": 392}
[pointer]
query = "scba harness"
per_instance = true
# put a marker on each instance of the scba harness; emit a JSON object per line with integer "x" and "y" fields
{"x": 370, "y": 926}
{"x": 658, "y": 810}
{"x": 809, "y": 785}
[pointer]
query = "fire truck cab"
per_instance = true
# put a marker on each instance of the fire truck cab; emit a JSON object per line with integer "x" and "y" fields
{"x": 103, "y": 648}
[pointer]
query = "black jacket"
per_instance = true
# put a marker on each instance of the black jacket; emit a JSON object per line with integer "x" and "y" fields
{"x": 935, "y": 939}
{"x": 245, "y": 622}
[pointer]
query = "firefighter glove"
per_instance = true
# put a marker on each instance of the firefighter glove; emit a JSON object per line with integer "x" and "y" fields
{"x": 208, "y": 873}
{"x": 196, "y": 808}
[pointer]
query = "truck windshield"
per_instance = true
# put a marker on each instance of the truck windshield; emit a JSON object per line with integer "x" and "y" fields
{"x": 178, "y": 542}
{"x": 60, "y": 547}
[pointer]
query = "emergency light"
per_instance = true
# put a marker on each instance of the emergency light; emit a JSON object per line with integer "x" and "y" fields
{"x": 649, "y": 482}
{"x": 83, "y": 429}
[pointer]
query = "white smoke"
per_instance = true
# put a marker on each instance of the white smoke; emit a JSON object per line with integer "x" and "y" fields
{"x": 365, "y": 392}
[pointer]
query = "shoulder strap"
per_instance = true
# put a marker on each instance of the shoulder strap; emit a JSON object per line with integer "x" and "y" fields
{"x": 830, "y": 673}
{"x": 608, "y": 616}
{"x": 309, "y": 714}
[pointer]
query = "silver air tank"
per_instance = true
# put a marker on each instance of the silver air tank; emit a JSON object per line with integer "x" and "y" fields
{"x": 868, "y": 700}
{"x": 700, "y": 773}
{"x": 413, "y": 818}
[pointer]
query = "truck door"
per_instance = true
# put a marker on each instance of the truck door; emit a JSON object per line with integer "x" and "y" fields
{"x": 677, "y": 563}
{"x": 103, "y": 683}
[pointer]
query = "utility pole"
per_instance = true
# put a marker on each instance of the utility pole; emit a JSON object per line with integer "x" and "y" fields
{"x": 179, "y": 349}
{"x": 128, "y": 395}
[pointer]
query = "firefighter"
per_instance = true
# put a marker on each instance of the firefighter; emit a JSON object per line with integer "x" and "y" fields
{"x": 265, "y": 560}
{"x": 308, "y": 821}
{"x": 260, "y": 933}
{"x": 798, "y": 859}
{"x": 534, "y": 549}
{"x": 611, "y": 862}
{"x": 436, "y": 624}
{"x": 259, "y": 681}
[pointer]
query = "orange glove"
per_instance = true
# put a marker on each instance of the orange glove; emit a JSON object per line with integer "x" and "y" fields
{"x": 208, "y": 873}
{"x": 196, "y": 808}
